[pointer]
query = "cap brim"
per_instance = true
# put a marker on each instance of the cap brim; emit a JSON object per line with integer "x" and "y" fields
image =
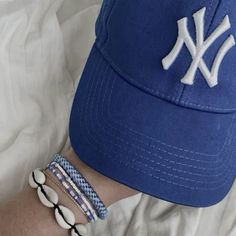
{"x": 170, "y": 152}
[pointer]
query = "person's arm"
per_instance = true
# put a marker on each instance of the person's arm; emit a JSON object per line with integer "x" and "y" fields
{"x": 26, "y": 216}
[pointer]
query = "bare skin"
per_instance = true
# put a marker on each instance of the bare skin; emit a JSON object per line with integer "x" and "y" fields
{"x": 26, "y": 216}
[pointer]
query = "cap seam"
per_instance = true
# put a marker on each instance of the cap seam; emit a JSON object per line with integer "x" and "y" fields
{"x": 186, "y": 99}
{"x": 181, "y": 98}
{"x": 102, "y": 21}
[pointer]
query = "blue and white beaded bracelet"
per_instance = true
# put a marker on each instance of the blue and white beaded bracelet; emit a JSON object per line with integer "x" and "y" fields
{"x": 82, "y": 184}
{"x": 73, "y": 191}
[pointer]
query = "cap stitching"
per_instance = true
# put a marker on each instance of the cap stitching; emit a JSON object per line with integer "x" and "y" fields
{"x": 155, "y": 169}
{"x": 160, "y": 149}
{"x": 168, "y": 145}
{"x": 144, "y": 150}
{"x": 96, "y": 120}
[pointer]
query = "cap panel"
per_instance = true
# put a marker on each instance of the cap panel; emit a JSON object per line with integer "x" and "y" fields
{"x": 221, "y": 98}
{"x": 139, "y": 38}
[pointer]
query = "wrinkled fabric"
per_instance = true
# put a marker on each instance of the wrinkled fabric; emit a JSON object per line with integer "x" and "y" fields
{"x": 43, "y": 48}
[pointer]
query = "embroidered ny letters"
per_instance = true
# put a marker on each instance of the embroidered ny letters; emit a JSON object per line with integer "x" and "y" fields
{"x": 197, "y": 51}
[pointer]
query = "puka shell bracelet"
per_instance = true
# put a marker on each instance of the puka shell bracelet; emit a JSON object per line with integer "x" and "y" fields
{"x": 49, "y": 198}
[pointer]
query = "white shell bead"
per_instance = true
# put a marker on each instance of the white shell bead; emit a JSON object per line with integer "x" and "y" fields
{"x": 31, "y": 181}
{"x": 39, "y": 177}
{"x": 81, "y": 229}
{"x": 69, "y": 217}
{"x": 52, "y": 196}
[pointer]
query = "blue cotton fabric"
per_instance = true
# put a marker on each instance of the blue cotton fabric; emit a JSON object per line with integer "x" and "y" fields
{"x": 137, "y": 123}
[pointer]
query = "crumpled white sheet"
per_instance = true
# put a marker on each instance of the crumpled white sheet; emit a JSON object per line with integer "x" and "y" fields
{"x": 44, "y": 45}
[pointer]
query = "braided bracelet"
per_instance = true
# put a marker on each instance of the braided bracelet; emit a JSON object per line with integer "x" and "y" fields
{"x": 81, "y": 194}
{"x": 82, "y": 183}
{"x": 73, "y": 191}
{"x": 49, "y": 198}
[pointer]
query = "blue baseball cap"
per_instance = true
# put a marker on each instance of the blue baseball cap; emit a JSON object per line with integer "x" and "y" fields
{"x": 155, "y": 106}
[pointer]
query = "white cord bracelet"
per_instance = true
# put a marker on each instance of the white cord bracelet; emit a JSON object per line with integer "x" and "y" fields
{"x": 49, "y": 198}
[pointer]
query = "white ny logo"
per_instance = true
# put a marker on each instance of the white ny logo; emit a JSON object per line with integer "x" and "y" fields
{"x": 197, "y": 51}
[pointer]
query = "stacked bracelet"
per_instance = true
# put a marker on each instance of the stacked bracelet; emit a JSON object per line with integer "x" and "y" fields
{"x": 48, "y": 197}
{"x": 82, "y": 184}
{"x": 81, "y": 194}
{"x": 61, "y": 188}
{"x": 73, "y": 191}
{"x": 71, "y": 182}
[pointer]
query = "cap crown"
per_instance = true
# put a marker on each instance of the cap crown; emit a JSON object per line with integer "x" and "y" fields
{"x": 135, "y": 37}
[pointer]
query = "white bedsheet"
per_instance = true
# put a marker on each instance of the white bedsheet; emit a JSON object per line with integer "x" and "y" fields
{"x": 43, "y": 47}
